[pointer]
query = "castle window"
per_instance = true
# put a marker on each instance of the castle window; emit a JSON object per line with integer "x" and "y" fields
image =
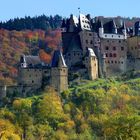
{"x": 105, "y": 35}
{"x": 68, "y": 54}
{"x": 119, "y": 41}
{"x": 32, "y": 81}
{"x": 91, "y": 42}
{"x": 114, "y": 48}
{"x": 122, "y": 48}
{"x": 90, "y": 34}
{"x": 116, "y": 62}
{"x": 122, "y": 62}
{"x": 112, "y": 35}
{"x": 107, "y": 48}
{"x": 110, "y": 54}
{"x": 108, "y": 61}
{"x": 106, "y": 55}
{"x": 107, "y": 40}
{"x": 45, "y": 71}
{"x": 111, "y": 61}
{"x": 119, "y": 36}
{"x": 87, "y": 41}
{"x": 114, "y": 55}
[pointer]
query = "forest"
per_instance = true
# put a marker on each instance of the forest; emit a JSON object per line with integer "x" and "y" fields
{"x": 42, "y": 22}
{"x": 14, "y": 43}
{"x": 39, "y": 35}
{"x": 105, "y": 109}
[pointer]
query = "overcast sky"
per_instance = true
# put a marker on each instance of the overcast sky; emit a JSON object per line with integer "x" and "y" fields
{"x": 20, "y": 8}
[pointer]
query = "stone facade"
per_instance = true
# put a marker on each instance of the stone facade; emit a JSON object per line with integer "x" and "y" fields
{"x": 91, "y": 47}
{"x": 112, "y": 42}
{"x": 59, "y": 72}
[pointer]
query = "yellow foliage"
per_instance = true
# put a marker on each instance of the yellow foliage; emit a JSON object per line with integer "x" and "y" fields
{"x": 8, "y": 131}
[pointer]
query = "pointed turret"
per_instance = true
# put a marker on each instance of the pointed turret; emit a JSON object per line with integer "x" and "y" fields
{"x": 59, "y": 72}
{"x": 114, "y": 27}
{"x": 124, "y": 30}
{"x": 63, "y": 26}
{"x": 91, "y": 63}
{"x": 137, "y": 28}
{"x": 58, "y": 60}
{"x": 23, "y": 63}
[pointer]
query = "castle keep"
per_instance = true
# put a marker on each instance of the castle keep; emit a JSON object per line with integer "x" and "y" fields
{"x": 92, "y": 48}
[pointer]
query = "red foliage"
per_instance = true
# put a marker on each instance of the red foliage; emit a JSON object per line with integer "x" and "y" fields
{"x": 15, "y": 43}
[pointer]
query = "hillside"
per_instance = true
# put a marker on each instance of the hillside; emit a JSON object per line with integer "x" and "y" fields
{"x": 94, "y": 110}
{"x": 14, "y": 43}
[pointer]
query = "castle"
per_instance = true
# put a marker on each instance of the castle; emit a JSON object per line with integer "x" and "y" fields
{"x": 92, "y": 48}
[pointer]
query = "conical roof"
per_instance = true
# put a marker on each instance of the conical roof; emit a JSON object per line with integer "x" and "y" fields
{"x": 58, "y": 59}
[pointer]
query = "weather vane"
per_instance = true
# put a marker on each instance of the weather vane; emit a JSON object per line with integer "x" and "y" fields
{"x": 79, "y": 10}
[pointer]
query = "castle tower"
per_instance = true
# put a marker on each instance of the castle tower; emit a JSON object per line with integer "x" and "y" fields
{"x": 104, "y": 65}
{"x": 29, "y": 71}
{"x": 91, "y": 64}
{"x": 101, "y": 28}
{"x": 124, "y": 30}
{"x": 59, "y": 72}
{"x": 23, "y": 63}
{"x": 137, "y": 28}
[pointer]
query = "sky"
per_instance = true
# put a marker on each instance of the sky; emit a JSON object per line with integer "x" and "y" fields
{"x": 10, "y": 9}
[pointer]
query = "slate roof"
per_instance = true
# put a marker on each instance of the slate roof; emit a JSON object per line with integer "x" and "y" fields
{"x": 90, "y": 52}
{"x": 75, "y": 44}
{"x": 58, "y": 59}
{"x": 31, "y": 61}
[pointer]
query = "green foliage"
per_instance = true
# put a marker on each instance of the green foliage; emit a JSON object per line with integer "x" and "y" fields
{"x": 105, "y": 109}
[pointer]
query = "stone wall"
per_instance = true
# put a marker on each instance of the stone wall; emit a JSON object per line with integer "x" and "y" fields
{"x": 115, "y": 51}
{"x": 59, "y": 79}
{"x": 16, "y": 91}
{"x": 30, "y": 77}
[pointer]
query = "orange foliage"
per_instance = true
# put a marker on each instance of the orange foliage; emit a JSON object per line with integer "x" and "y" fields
{"x": 15, "y": 43}
{"x": 45, "y": 57}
